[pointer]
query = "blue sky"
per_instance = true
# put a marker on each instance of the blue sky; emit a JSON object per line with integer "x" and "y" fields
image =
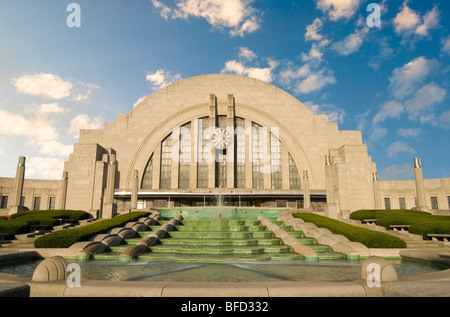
{"x": 390, "y": 82}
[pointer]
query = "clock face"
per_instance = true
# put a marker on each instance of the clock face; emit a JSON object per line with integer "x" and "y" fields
{"x": 221, "y": 139}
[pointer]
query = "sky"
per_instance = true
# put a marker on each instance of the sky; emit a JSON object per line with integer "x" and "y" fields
{"x": 381, "y": 67}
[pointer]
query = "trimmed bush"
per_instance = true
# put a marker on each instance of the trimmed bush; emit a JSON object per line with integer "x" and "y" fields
{"x": 13, "y": 227}
{"x": 370, "y": 238}
{"x": 57, "y": 214}
{"x": 21, "y": 222}
{"x": 65, "y": 238}
{"x": 379, "y": 214}
{"x": 420, "y": 222}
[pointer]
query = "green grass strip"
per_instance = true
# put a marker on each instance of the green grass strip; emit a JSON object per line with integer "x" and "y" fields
{"x": 65, "y": 238}
{"x": 370, "y": 238}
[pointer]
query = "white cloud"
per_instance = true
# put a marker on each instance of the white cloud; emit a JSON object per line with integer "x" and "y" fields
{"x": 444, "y": 120}
{"x": 377, "y": 133}
{"x": 39, "y": 133}
{"x": 405, "y": 79}
{"x": 162, "y": 78}
{"x": 446, "y": 45}
{"x": 44, "y": 168}
{"x": 396, "y": 172}
{"x": 430, "y": 21}
{"x": 316, "y": 81}
{"x": 245, "y": 53}
{"x": 332, "y": 113}
{"x": 410, "y": 133}
{"x": 351, "y": 43}
{"x": 237, "y": 15}
{"x": 38, "y": 128}
{"x": 139, "y": 101}
{"x": 408, "y": 21}
{"x": 424, "y": 99}
{"x": 83, "y": 121}
{"x": 399, "y": 147}
{"x": 264, "y": 74}
{"x": 391, "y": 109}
{"x": 314, "y": 54}
{"x": 50, "y": 108}
{"x": 43, "y": 85}
{"x": 312, "y": 31}
{"x": 338, "y": 9}
{"x": 87, "y": 90}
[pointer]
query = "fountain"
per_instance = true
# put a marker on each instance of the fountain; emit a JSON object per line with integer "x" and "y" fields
{"x": 220, "y": 202}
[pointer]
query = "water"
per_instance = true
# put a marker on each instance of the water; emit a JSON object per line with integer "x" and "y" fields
{"x": 168, "y": 271}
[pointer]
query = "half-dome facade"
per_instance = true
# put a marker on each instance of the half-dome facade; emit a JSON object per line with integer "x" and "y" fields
{"x": 247, "y": 139}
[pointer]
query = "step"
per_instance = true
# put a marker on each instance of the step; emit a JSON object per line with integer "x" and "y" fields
{"x": 330, "y": 255}
{"x": 208, "y": 250}
{"x": 319, "y": 248}
{"x": 186, "y": 258}
{"x": 218, "y": 227}
{"x": 209, "y": 242}
{"x": 219, "y": 234}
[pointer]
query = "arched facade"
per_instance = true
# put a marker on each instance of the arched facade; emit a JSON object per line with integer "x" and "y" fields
{"x": 232, "y": 134}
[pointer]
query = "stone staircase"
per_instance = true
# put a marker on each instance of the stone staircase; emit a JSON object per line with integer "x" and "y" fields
{"x": 222, "y": 240}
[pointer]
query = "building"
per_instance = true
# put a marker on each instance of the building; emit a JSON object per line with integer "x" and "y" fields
{"x": 247, "y": 140}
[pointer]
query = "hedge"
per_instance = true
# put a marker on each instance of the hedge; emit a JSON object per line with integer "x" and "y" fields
{"x": 370, "y": 238}
{"x": 57, "y": 214}
{"x": 65, "y": 238}
{"x": 21, "y": 222}
{"x": 420, "y": 222}
{"x": 13, "y": 227}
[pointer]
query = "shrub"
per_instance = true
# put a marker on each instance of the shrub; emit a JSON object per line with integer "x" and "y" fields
{"x": 420, "y": 222}
{"x": 65, "y": 238}
{"x": 379, "y": 214}
{"x": 13, "y": 227}
{"x": 370, "y": 238}
{"x": 57, "y": 214}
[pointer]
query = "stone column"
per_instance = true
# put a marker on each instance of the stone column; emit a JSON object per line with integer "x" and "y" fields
{"x": 134, "y": 189}
{"x": 18, "y": 188}
{"x": 306, "y": 192}
{"x": 331, "y": 208}
{"x": 109, "y": 208}
{"x": 212, "y": 127}
{"x": 231, "y": 157}
{"x": 420, "y": 187}
{"x": 376, "y": 192}
{"x": 62, "y": 200}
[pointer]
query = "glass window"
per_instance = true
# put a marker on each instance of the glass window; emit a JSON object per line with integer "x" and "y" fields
{"x": 402, "y": 203}
{"x": 51, "y": 204}
{"x": 148, "y": 175}
{"x": 203, "y": 142}
{"x": 387, "y": 203}
{"x": 434, "y": 203}
{"x": 4, "y": 203}
{"x": 37, "y": 203}
{"x": 294, "y": 177}
{"x": 221, "y": 158}
{"x": 257, "y": 156}
{"x": 185, "y": 156}
{"x": 141, "y": 204}
{"x": 240, "y": 153}
{"x": 166, "y": 163}
{"x": 275, "y": 162}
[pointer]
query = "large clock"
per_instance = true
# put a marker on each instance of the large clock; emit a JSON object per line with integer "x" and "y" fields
{"x": 221, "y": 139}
